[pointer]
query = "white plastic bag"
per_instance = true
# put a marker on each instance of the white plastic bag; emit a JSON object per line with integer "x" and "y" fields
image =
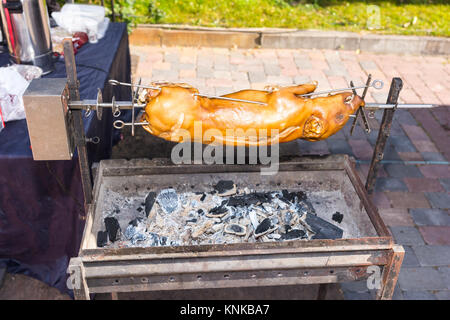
{"x": 83, "y": 18}
{"x": 14, "y": 80}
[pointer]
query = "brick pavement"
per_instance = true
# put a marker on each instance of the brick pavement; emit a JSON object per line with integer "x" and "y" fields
{"x": 414, "y": 200}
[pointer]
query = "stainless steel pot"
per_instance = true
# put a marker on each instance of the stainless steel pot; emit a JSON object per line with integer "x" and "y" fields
{"x": 27, "y": 31}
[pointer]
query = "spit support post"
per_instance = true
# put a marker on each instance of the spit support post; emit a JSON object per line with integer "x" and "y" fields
{"x": 383, "y": 134}
{"x": 77, "y": 121}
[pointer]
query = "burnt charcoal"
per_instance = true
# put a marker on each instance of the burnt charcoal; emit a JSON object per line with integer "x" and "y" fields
{"x": 139, "y": 209}
{"x": 200, "y": 211}
{"x": 162, "y": 241}
{"x": 225, "y": 187}
{"x": 135, "y": 221}
{"x": 102, "y": 238}
{"x": 338, "y": 217}
{"x": 287, "y": 228}
{"x": 293, "y": 234}
{"x": 323, "y": 229}
{"x": 263, "y": 226}
{"x": 246, "y": 200}
{"x": 112, "y": 227}
{"x": 236, "y": 228}
{"x": 295, "y": 196}
{"x": 191, "y": 220}
{"x": 217, "y": 211}
{"x": 149, "y": 202}
{"x": 305, "y": 206}
{"x": 203, "y": 197}
{"x": 168, "y": 200}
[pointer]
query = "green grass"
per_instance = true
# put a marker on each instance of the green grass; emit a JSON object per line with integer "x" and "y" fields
{"x": 396, "y": 17}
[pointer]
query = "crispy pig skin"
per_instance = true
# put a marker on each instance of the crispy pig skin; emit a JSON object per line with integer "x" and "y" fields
{"x": 174, "y": 111}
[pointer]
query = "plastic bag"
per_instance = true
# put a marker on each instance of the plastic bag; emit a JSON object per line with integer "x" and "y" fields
{"x": 14, "y": 80}
{"x": 83, "y": 18}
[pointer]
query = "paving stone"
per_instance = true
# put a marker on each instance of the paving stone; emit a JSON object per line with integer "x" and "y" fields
{"x": 415, "y": 133}
{"x": 419, "y": 295}
{"x": 402, "y": 144}
{"x": 435, "y": 171}
{"x": 405, "y": 117}
{"x": 390, "y": 154}
{"x": 257, "y": 76}
{"x": 349, "y": 295}
{"x": 272, "y": 69}
{"x": 380, "y": 200}
{"x": 430, "y": 256}
{"x": 361, "y": 149}
{"x": 410, "y": 156}
{"x": 368, "y": 65}
{"x": 223, "y": 90}
{"x": 339, "y": 146}
{"x": 303, "y": 63}
{"x": 439, "y": 199}
{"x": 430, "y": 217}
{"x": 425, "y": 146}
{"x": 390, "y": 184}
{"x": 423, "y": 185}
{"x": 432, "y": 156}
{"x": 355, "y": 286}
{"x": 443, "y": 295}
{"x": 396, "y": 217}
{"x": 398, "y": 293}
{"x": 407, "y": 236}
{"x": 170, "y": 75}
{"x": 300, "y": 79}
{"x": 414, "y": 279}
{"x": 204, "y": 72}
{"x": 445, "y": 183}
{"x": 410, "y": 258}
{"x": 402, "y": 171}
{"x": 436, "y": 235}
{"x": 408, "y": 200}
{"x": 279, "y": 80}
{"x": 446, "y": 274}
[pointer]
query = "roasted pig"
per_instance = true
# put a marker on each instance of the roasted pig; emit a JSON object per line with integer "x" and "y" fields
{"x": 178, "y": 113}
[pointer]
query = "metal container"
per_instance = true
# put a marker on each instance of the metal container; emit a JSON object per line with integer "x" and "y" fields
{"x": 366, "y": 243}
{"x": 27, "y": 30}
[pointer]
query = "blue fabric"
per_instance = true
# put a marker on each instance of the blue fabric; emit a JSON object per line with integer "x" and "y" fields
{"x": 41, "y": 202}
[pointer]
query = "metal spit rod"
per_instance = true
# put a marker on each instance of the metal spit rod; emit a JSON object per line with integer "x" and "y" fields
{"x": 118, "y": 105}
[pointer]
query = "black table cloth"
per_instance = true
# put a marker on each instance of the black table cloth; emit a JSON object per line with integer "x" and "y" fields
{"x": 41, "y": 202}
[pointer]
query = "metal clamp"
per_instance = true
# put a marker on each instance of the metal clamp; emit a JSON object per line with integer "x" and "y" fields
{"x": 98, "y": 107}
{"x": 135, "y": 95}
{"x": 119, "y": 124}
{"x": 115, "y": 108}
{"x": 377, "y": 84}
{"x": 94, "y": 140}
{"x": 118, "y": 83}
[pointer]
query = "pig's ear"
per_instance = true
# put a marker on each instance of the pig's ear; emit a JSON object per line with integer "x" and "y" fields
{"x": 314, "y": 128}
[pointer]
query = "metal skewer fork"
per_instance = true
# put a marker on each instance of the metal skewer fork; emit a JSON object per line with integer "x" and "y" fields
{"x": 118, "y": 83}
{"x": 135, "y": 95}
{"x": 360, "y": 110}
{"x": 229, "y": 99}
{"x": 377, "y": 84}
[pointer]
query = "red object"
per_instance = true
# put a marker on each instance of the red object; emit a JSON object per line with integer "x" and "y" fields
{"x": 1, "y": 116}
{"x": 78, "y": 40}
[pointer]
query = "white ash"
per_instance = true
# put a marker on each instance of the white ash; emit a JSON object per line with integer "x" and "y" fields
{"x": 179, "y": 218}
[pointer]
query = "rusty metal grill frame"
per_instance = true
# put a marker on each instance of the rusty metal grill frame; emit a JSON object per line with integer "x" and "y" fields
{"x": 241, "y": 264}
